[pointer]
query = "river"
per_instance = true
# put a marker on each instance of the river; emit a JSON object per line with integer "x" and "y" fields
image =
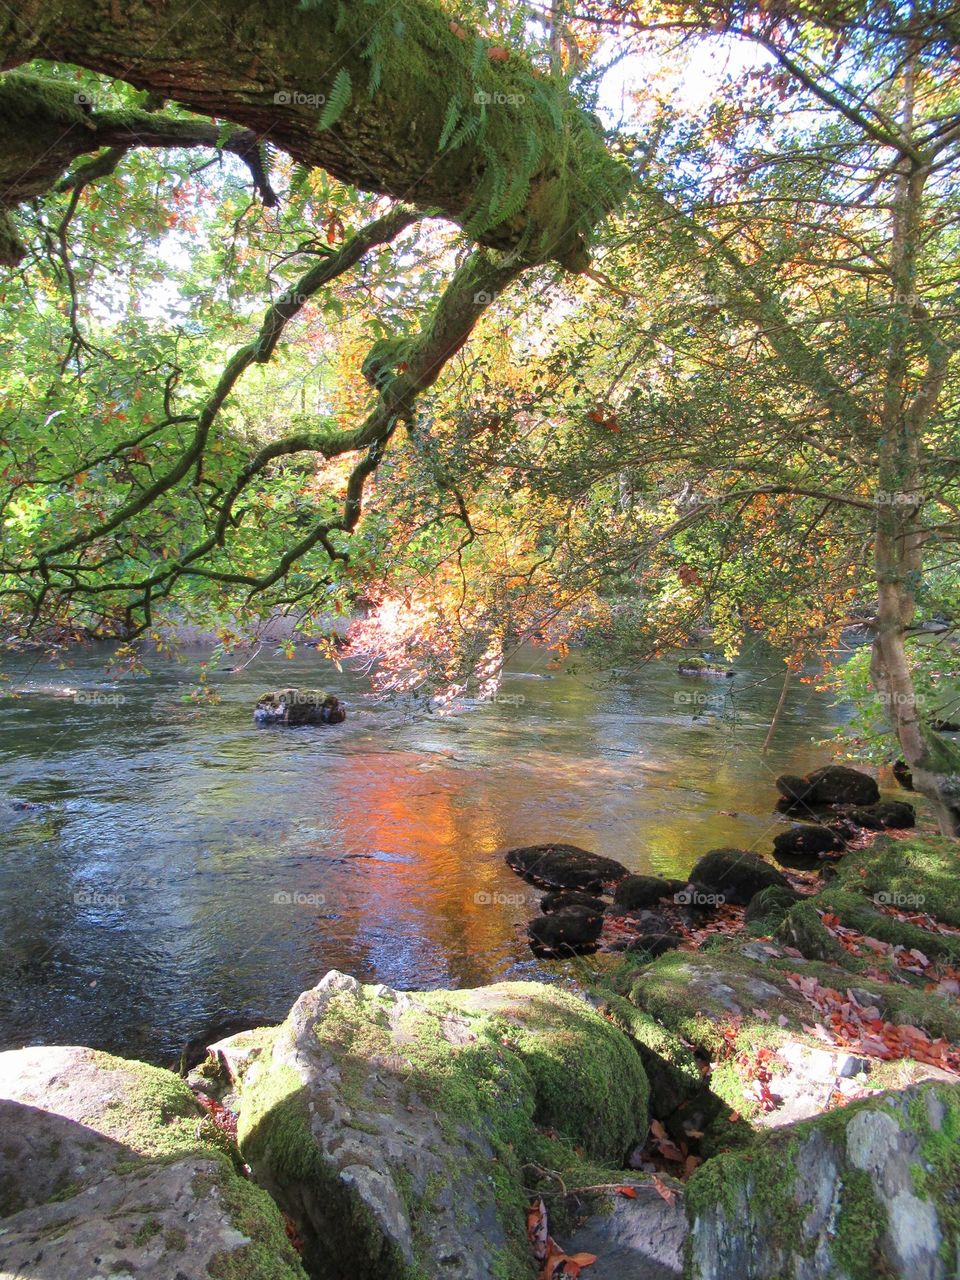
{"x": 185, "y": 866}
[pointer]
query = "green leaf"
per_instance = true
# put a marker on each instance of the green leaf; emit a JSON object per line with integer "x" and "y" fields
{"x": 337, "y": 101}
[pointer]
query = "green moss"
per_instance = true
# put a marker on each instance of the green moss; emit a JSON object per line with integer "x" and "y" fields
{"x": 175, "y": 1240}
{"x": 920, "y": 874}
{"x": 861, "y": 1224}
{"x": 150, "y": 1110}
{"x": 146, "y": 1232}
{"x": 936, "y": 1176}
{"x": 803, "y": 929}
{"x": 857, "y": 913}
{"x": 269, "y": 1255}
{"x": 768, "y": 907}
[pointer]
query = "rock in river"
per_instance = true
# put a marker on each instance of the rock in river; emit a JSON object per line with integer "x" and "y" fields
{"x": 572, "y": 931}
{"x": 644, "y": 891}
{"x": 294, "y": 707}
{"x": 834, "y": 784}
{"x": 564, "y": 866}
{"x": 736, "y": 874}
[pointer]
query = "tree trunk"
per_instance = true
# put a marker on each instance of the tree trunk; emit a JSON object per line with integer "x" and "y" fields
{"x": 898, "y": 546}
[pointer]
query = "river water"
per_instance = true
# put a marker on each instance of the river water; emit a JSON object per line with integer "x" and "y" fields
{"x": 186, "y": 866}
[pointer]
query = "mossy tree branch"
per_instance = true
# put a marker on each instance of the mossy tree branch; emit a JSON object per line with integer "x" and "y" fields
{"x": 396, "y": 101}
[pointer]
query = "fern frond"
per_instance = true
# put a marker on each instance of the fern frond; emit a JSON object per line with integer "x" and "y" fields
{"x": 337, "y": 100}
{"x": 450, "y": 121}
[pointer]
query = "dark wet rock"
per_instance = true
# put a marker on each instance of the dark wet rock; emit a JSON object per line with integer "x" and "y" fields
{"x": 564, "y": 866}
{"x": 808, "y": 839}
{"x": 644, "y": 891}
{"x": 833, "y": 784}
{"x": 701, "y": 667}
{"x": 296, "y": 707}
{"x": 570, "y": 932}
{"x": 562, "y": 899}
{"x": 769, "y": 906}
{"x": 901, "y": 771}
{"x": 638, "y": 1238}
{"x": 643, "y": 920}
{"x": 867, "y": 1190}
{"x": 26, "y": 806}
{"x": 735, "y": 874}
{"x": 895, "y": 814}
{"x": 698, "y": 901}
{"x": 945, "y": 726}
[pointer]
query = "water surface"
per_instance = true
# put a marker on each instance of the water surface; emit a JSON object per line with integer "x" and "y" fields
{"x": 187, "y": 865}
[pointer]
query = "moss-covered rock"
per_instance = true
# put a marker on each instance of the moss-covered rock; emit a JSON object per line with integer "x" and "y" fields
{"x": 111, "y": 1168}
{"x": 735, "y": 875}
{"x": 863, "y": 1192}
{"x": 768, "y": 907}
{"x": 400, "y": 1130}
{"x": 295, "y": 707}
{"x": 921, "y": 874}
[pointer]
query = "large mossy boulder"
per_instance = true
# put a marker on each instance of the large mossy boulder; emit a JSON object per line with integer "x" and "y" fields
{"x": 863, "y": 1192}
{"x": 297, "y": 707}
{"x": 564, "y": 866}
{"x": 402, "y": 1131}
{"x": 110, "y": 1168}
{"x": 732, "y": 1001}
{"x": 735, "y": 875}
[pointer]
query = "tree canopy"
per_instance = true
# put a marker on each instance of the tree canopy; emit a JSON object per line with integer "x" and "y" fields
{"x": 333, "y": 303}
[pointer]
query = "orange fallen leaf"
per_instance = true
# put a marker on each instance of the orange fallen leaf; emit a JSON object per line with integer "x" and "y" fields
{"x": 629, "y": 1192}
{"x": 663, "y": 1190}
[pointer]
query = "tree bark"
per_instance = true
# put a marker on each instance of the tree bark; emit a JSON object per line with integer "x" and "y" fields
{"x": 898, "y": 546}
{"x": 272, "y": 67}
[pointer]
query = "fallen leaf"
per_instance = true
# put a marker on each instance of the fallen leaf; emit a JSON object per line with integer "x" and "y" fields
{"x": 663, "y": 1190}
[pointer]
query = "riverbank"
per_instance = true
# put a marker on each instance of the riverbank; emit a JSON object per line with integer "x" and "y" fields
{"x": 780, "y": 1093}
